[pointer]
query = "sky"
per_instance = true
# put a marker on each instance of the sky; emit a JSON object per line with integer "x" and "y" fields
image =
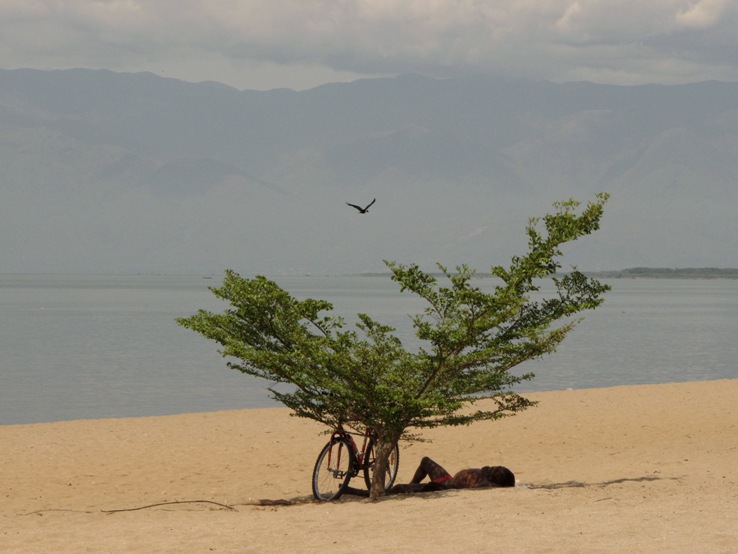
{"x": 300, "y": 44}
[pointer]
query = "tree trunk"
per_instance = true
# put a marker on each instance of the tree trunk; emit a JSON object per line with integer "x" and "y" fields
{"x": 382, "y": 450}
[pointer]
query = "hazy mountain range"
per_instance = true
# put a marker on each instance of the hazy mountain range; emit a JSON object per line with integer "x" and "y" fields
{"x": 117, "y": 173}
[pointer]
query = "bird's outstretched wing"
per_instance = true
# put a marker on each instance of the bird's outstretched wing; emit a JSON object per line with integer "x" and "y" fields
{"x": 362, "y": 210}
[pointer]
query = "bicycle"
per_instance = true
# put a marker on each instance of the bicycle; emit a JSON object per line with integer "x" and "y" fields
{"x": 341, "y": 460}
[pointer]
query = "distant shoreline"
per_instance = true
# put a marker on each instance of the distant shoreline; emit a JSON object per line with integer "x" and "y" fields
{"x": 638, "y": 273}
{"x": 628, "y": 273}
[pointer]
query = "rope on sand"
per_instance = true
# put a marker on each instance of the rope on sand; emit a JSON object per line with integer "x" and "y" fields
{"x": 262, "y": 502}
{"x": 168, "y": 504}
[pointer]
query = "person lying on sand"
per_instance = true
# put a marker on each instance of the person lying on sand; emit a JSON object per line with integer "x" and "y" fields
{"x": 440, "y": 479}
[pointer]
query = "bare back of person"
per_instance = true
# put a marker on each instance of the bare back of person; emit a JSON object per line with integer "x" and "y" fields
{"x": 440, "y": 479}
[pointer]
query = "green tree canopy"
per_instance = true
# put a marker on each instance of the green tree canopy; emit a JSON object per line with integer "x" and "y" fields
{"x": 363, "y": 375}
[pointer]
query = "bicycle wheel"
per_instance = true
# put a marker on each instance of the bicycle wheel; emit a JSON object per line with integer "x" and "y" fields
{"x": 392, "y": 466}
{"x": 333, "y": 470}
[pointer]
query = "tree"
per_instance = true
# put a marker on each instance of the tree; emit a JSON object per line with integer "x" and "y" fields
{"x": 363, "y": 376}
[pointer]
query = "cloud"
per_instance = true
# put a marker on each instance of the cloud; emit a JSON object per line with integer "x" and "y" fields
{"x": 701, "y": 14}
{"x": 474, "y": 233}
{"x": 242, "y": 41}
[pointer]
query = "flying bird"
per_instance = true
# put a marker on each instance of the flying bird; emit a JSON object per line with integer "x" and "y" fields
{"x": 363, "y": 210}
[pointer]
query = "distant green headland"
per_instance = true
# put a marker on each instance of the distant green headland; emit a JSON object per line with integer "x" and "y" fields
{"x": 637, "y": 273}
{"x": 668, "y": 273}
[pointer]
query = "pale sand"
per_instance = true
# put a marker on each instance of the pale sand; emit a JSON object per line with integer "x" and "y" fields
{"x": 627, "y": 469}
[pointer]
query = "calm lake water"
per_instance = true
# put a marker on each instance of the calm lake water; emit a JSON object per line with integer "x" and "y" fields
{"x": 79, "y": 347}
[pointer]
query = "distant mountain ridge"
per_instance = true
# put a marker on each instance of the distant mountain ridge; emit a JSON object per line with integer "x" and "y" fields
{"x": 102, "y": 171}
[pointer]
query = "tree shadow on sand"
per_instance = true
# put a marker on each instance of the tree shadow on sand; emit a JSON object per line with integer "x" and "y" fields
{"x": 355, "y": 495}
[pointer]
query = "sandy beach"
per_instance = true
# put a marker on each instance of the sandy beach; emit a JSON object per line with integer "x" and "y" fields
{"x": 650, "y": 468}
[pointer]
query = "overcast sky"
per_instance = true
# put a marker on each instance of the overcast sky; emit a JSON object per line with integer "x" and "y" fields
{"x": 264, "y": 44}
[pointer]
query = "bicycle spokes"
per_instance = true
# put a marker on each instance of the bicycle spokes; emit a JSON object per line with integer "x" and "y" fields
{"x": 333, "y": 470}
